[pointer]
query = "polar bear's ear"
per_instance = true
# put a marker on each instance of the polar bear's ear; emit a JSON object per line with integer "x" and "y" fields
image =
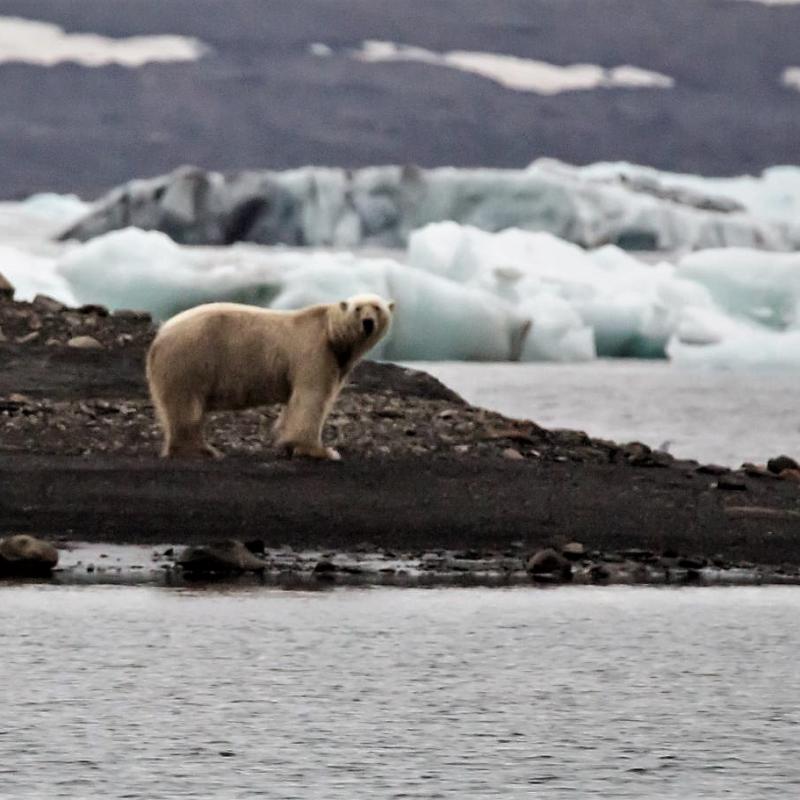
{"x": 390, "y": 304}
{"x": 343, "y": 305}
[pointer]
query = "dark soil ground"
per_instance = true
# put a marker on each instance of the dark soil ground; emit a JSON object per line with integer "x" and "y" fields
{"x": 422, "y": 471}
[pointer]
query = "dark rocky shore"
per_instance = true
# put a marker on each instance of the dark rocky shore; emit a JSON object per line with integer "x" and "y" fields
{"x": 430, "y": 490}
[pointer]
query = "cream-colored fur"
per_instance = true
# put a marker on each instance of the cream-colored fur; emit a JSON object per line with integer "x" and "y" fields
{"x": 230, "y": 356}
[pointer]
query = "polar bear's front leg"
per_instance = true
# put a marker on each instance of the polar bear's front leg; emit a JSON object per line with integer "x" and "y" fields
{"x": 301, "y": 424}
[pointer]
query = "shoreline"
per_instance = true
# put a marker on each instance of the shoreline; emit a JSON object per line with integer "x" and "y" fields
{"x": 423, "y": 472}
{"x": 101, "y": 564}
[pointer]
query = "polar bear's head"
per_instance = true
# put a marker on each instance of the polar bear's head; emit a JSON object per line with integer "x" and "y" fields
{"x": 366, "y": 317}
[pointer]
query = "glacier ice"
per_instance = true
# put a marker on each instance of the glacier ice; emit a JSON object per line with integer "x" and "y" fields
{"x": 462, "y": 292}
{"x": 381, "y": 206}
{"x": 772, "y": 195}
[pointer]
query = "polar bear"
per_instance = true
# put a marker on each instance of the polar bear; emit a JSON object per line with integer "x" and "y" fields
{"x": 223, "y": 356}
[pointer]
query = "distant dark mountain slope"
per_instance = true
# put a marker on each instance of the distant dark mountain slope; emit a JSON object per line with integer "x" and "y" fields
{"x": 261, "y": 99}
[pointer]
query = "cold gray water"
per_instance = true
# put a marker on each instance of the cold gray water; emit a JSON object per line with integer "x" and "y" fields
{"x": 725, "y": 416}
{"x": 113, "y": 692}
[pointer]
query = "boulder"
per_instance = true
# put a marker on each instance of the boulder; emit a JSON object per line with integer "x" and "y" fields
{"x": 731, "y": 483}
{"x": 599, "y": 573}
{"x": 640, "y": 455}
{"x": 692, "y": 562}
{"x": 712, "y": 469}
{"x": 574, "y": 551}
{"x": 779, "y": 464}
{"x": 549, "y": 566}
{"x": 47, "y": 304}
{"x": 220, "y": 558}
{"x": 133, "y": 314}
{"x": 756, "y": 470}
{"x": 6, "y": 288}
{"x": 25, "y": 555}
{"x": 790, "y": 475}
{"x": 93, "y": 308}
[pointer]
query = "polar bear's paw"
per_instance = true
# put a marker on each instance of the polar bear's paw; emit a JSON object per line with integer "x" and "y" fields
{"x": 314, "y": 451}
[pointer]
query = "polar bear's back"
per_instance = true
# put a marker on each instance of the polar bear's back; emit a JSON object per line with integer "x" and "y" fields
{"x": 230, "y": 355}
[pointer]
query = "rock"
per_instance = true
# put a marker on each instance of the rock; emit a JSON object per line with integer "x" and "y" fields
{"x": 549, "y": 566}
{"x": 512, "y": 455}
{"x": 24, "y": 555}
{"x": 637, "y": 554}
{"x": 634, "y": 451}
{"x": 712, "y": 469}
{"x": 84, "y": 343}
{"x": 790, "y": 475}
{"x": 93, "y": 308}
{"x": 569, "y": 438}
{"x": 324, "y": 567}
{"x": 574, "y": 551}
{"x": 526, "y": 435}
{"x": 224, "y": 557}
{"x": 599, "y": 573}
{"x": 756, "y": 470}
{"x": 6, "y": 288}
{"x": 72, "y": 319}
{"x": 779, "y": 464}
{"x": 27, "y": 338}
{"x": 47, "y": 304}
{"x": 133, "y": 314}
{"x": 692, "y": 563}
{"x": 731, "y": 483}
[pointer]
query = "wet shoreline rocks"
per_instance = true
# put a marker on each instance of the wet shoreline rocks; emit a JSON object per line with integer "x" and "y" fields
{"x": 232, "y": 562}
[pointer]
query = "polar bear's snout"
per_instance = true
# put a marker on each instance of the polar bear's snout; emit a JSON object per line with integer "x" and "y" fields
{"x": 368, "y": 325}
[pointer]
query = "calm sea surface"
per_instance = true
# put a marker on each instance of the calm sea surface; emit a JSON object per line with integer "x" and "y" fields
{"x": 112, "y": 692}
{"x": 726, "y": 416}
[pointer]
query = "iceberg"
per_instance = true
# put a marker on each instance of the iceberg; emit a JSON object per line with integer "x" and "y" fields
{"x": 583, "y": 303}
{"x": 381, "y": 206}
{"x": 435, "y": 318}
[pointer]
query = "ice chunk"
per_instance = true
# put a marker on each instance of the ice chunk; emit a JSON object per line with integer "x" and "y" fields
{"x": 749, "y": 346}
{"x": 763, "y": 287}
{"x": 32, "y": 274}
